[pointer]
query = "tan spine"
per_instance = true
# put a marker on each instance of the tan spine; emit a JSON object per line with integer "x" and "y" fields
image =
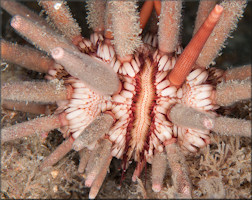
{"x": 39, "y": 125}
{"x": 59, "y": 13}
{"x": 44, "y": 92}
{"x": 204, "y": 9}
{"x": 169, "y": 25}
{"x": 96, "y": 14}
{"x": 125, "y": 27}
{"x": 232, "y": 12}
{"x": 27, "y": 57}
{"x": 187, "y": 59}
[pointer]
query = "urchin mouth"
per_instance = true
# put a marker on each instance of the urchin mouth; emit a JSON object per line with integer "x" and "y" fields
{"x": 142, "y": 110}
{"x": 142, "y": 101}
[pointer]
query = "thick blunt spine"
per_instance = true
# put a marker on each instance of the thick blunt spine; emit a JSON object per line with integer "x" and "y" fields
{"x": 169, "y": 26}
{"x": 232, "y": 127}
{"x": 192, "y": 118}
{"x": 39, "y": 35}
{"x": 84, "y": 157}
{"x": 232, "y": 12}
{"x": 60, "y": 14}
{"x": 180, "y": 172}
{"x": 94, "y": 131}
{"x": 40, "y": 91}
{"x": 39, "y": 125}
{"x": 97, "y": 75}
{"x": 230, "y": 92}
{"x": 125, "y": 27}
{"x": 29, "y": 107}
{"x": 184, "y": 116}
{"x": 108, "y": 22}
{"x": 159, "y": 164}
{"x": 96, "y": 14}
{"x": 99, "y": 179}
{"x": 238, "y": 73}
{"x": 204, "y": 9}
{"x": 187, "y": 59}
{"x": 27, "y": 57}
{"x": 98, "y": 159}
{"x": 57, "y": 154}
{"x": 15, "y": 8}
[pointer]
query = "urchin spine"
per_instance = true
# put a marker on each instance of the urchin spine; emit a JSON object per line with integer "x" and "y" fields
{"x": 94, "y": 131}
{"x": 232, "y": 12}
{"x": 95, "y": 17}
{"x": 169, "y": 26}
{"x": 125, "y": 27}
{"x": 41, "y": 36}
{"x": 190, "y": 54}
{"x": 39, "y": 125}
{"x": 95, "y": 74}
{"x": 39, "y": 91}
{"x": 60, "y": 14}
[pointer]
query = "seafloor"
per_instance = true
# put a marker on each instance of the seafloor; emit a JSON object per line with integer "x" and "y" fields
{"x": 222, "y": 170}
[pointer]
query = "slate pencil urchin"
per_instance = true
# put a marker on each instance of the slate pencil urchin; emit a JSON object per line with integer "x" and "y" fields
{"x": 118, "y": 95}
